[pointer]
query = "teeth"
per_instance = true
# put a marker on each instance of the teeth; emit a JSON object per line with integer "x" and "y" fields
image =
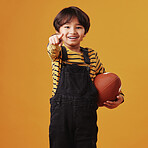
{"x": 72, "y": 37}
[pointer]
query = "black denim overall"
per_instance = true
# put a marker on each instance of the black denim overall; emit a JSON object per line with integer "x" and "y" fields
{"x": 73, "y": 108}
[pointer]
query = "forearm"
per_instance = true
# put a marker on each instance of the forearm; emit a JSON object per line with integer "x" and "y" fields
{"x": 53, "y": 51}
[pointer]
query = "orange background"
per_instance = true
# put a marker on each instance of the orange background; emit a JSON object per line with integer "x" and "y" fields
{"x": 118, "y": 32}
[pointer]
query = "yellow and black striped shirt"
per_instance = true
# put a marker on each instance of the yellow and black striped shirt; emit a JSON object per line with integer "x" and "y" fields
{"x": 96, "y": 66}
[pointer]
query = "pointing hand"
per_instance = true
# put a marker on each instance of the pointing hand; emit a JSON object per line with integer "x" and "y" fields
{"x": 56, "y": 39}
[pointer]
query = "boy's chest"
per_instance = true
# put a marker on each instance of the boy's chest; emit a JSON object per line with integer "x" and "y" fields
{"x": 77, "y": 58}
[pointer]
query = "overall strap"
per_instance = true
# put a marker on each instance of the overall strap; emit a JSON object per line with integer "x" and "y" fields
{"x": 64, "y": 54}
{"x": 85, "y": 53}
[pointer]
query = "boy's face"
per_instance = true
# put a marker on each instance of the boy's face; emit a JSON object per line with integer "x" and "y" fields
{"x": 73, "y": 34}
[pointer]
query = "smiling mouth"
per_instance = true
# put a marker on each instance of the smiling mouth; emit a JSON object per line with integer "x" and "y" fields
{"x": 72, "y": 37}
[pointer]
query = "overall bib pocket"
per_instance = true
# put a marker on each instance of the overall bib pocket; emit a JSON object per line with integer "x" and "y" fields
{"x": 76, "y": 83}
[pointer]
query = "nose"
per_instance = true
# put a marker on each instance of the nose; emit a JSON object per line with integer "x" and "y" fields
{"x": 73, "y": 30}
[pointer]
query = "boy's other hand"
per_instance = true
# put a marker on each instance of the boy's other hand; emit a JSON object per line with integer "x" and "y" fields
{"x": 114, "y": 104}
{"x": 56, "y": 39}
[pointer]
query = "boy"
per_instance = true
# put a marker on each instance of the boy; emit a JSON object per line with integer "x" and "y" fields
{"x": 74, "y": 98}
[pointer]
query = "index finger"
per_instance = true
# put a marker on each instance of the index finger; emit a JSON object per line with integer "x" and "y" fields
{"x": 60, "y": 36}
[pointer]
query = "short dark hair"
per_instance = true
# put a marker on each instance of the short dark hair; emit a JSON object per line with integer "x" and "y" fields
{"x": 67, "y": 14}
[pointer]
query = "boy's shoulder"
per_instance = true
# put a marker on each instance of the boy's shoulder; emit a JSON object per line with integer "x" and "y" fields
{"x": 91, "y": 52}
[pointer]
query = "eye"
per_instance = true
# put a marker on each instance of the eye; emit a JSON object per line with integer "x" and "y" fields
{"x": 79, "y": 27}
{"x": 66, "y": 27}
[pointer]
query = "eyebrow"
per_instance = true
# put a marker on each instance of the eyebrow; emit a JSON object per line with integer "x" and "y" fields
{"x": 76, "y": 24}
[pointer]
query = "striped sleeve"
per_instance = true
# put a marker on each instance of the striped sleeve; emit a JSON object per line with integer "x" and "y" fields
{"x": 99, "y": 66}
{"x": 53, "y": 51}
